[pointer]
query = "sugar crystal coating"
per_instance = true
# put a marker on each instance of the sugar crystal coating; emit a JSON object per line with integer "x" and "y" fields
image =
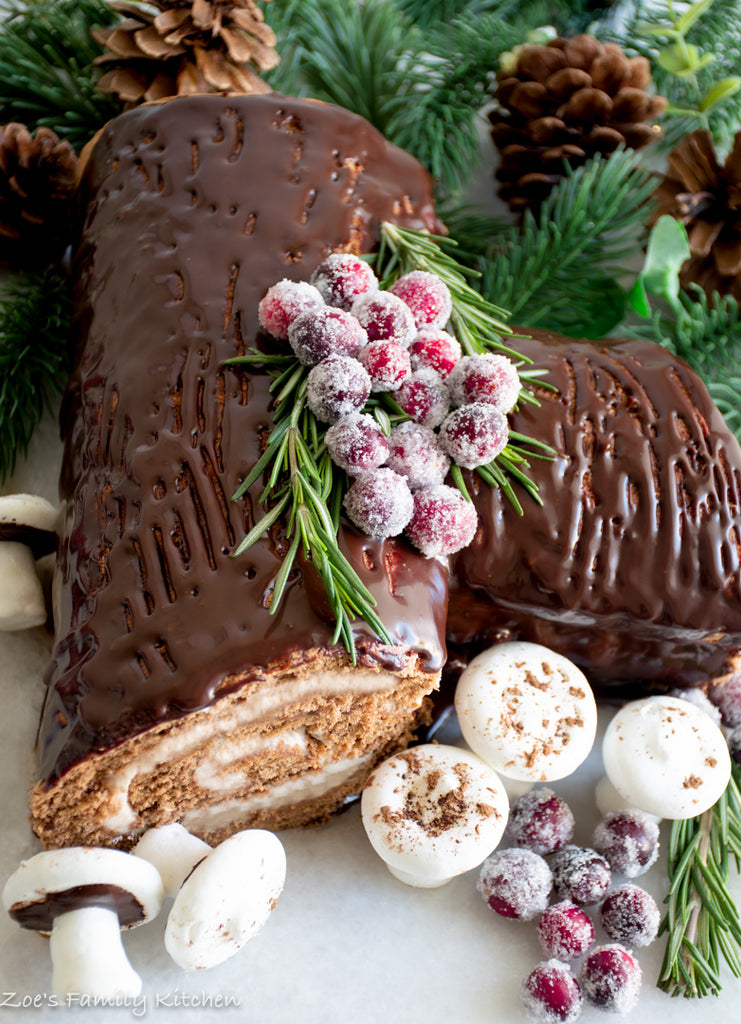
{"x": 488, "y": 378}
{"x": 318, "y": 333}
{"x": 426, "y": 295}
{"x": 551, "y": 995}
{"x": 443, "y": 522}
{"x": 435, "y": 350}
{"x": 387, "y": 364}
{"x": 283, "y": 302}
{"x": 342, "y": 278}
{"x": 727, "y": 698}
{"x": 474, "y": 434}
{"x": 540, "y": 821}
{"x": 610, "y": 978}
{"x": 357, "y": 444}
{"x": 630, "y": 915}
{"x": 629, "y": 840}
{"x": 734, "y": 744}
{"x": 516, "y": 883}
{"x": 415, "y": 452}
{"x": 580, "y": 875}
{"x": 424, "y": 397}
{"x": 700, "y": 699}
{"x": 379, "y": 503}
{"x": 565, "y": 931}
{"x": 336, "y": 387}
{"x": 385, "y": 318}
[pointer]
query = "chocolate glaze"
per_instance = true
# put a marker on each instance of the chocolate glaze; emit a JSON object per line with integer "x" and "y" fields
{"x": 194, "y": 208}
{"x": 41, "y": 542}
{"x": 40, "y": 914}
{"x": 631, "y": 567}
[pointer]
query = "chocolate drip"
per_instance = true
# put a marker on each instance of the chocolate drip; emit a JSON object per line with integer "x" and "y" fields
{"x": 40, "y": 914}
{"x": 632, "y": 565}
{"x": 194, "y": 208}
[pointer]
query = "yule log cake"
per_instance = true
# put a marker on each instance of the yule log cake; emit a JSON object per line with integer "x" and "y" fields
{"x": 174, "y": 694}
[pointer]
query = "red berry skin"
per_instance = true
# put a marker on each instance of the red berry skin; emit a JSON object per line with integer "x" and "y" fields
{"x": 629, "y": 840}
{"x": 565, "y": 931}
{"x": 515, "y": 883}
{"x": 580, "y": 875}
{"x": 550, "y": 994}
{"x": 424, "y": 397}
{"x": 415, "y": 452}
{"x": 540, "y": 821}
{"x": 336, "y": 387}
{"x": 379, "y": 503}
{"x": 474, "y": 434}
{"x": 727, "y": 698}
{"x": 435, "y": 350}
{"x": 610, "y": 979}
{"x": 342, "y": 278}
{"x": 442, "y": 522}
{"x": 316, "y": 334}
{"x": 283, "y": 302}
{"x": 426, "y": 295}
{"x": 385, "y": 318}
{"x": 387, "y": 364}
{"x": 357, "y": 444}
{"x": 630, "y": 916}
{"x": 487, "y": 378}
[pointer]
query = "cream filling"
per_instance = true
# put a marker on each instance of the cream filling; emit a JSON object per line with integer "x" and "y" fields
{"x": 309, "y": 786}
{"x": 264, "y": 702}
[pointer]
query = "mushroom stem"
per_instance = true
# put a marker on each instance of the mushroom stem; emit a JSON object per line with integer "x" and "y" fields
{"x": 418, "y": 881}
{"x": 88, "y": 956}
{"x": 174, "y": 851}
{"x": 22, "y": 603}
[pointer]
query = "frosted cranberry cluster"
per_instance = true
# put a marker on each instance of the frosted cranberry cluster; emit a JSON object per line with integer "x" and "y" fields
{"x": 359, "y": 340}
{"x": 518, "y": 882}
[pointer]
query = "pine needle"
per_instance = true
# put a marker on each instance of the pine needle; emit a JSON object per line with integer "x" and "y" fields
{"x": 34, "y": 357}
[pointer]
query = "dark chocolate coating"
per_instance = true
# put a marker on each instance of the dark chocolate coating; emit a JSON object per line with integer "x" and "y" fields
{"x": 631, "y": 567}
{"x": 40, "y": 914}
{"x": 194, "y": 208}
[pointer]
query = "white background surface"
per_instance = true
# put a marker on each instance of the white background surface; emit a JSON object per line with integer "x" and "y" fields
{"x": 346, "y": 942}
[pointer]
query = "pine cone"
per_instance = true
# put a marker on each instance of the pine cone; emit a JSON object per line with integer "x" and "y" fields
{"x": 190, "y": 46}
{"x": 37, "y": 188}
{"x": 567, "y": 101}
{"x": 706, "y": 197}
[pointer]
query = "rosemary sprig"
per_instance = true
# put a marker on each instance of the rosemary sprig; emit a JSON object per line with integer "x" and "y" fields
{"x": 303, "y": 489}
{"x": 478, "y": 324}
{"x": 702, "y": 923}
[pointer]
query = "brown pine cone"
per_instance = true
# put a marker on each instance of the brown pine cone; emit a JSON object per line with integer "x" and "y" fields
{"x": 567, "y": 101}
{"x": 706, "y": 197}
{"x": 190, "y": 46}
{"x": 37, "y": 188}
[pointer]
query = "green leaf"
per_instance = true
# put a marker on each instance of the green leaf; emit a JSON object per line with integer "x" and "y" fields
{"x": 692, "y": 14}
{"x": 683, "y": 59}
{"x": 722, "y": 91}
{"x": 668, "y": 249}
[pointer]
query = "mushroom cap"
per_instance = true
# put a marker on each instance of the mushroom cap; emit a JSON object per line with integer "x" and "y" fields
{"x": 56, "y": 882}
{"x": 527, "y": 711}
{"x": 433, "y": 812}
{"x": 31, "y": 520}
{"x": 666, "y": 756}
{"x": 226, "y": 899}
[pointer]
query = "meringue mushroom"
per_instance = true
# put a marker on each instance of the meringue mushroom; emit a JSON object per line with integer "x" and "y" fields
{"x": 223, "y": 896}
{"x": 528, "y": 712}
{"x": 82, "y": 897}
{"x": 433, "y": 812}
{"x": 666, "y": 756}
{"x": 27, "y": 532}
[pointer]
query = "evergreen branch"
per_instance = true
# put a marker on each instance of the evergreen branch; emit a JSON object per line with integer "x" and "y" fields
{"x": 34, "y": 357}
{"x": 702, "y": 922}
{"x": 47, "y": 75}
{"x": 559, "y": 272}
{"x": 300, "y": 490}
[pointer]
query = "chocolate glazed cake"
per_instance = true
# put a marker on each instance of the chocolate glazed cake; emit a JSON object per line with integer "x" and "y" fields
{"x": 632, "y": 566}
{"x": 173, "y": 693}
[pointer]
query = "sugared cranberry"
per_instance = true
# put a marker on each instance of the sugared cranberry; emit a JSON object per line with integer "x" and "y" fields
{"x": 342, "y": 278}
{"x": 734, "y": 744}
{"x": 540, "y": 821}
{"x": 629, "y": 840}
{"x": 610, "y": 978}
{"x": 282, "y": 303}
{"x": 443, "y": 522}
{"x": 630, "y": 915}
{"x": 550, "y": 994}
{"x": 485, "y": 378}
{"x": 727, "y": 698}
{"x": 474, "y": 434}
{"x": 424, "y": 397}
{"x": 426, "y": 295}
{"x": 357, "y": 444}
{"x": 435, "y": 350}
{"x": 415, "y": 452}
{"x": 379, "y": 503}
{"x": 387, "y": 364}
{"x": 385, "y": 318}
{"x": 318, "y": 333}
{"x": 516, "y": 883}
{"x": 700, "y": 699}
{"x": 336, "y": 387}
{"x": 580, "y": 875}
{"x": 565, "y": 931}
